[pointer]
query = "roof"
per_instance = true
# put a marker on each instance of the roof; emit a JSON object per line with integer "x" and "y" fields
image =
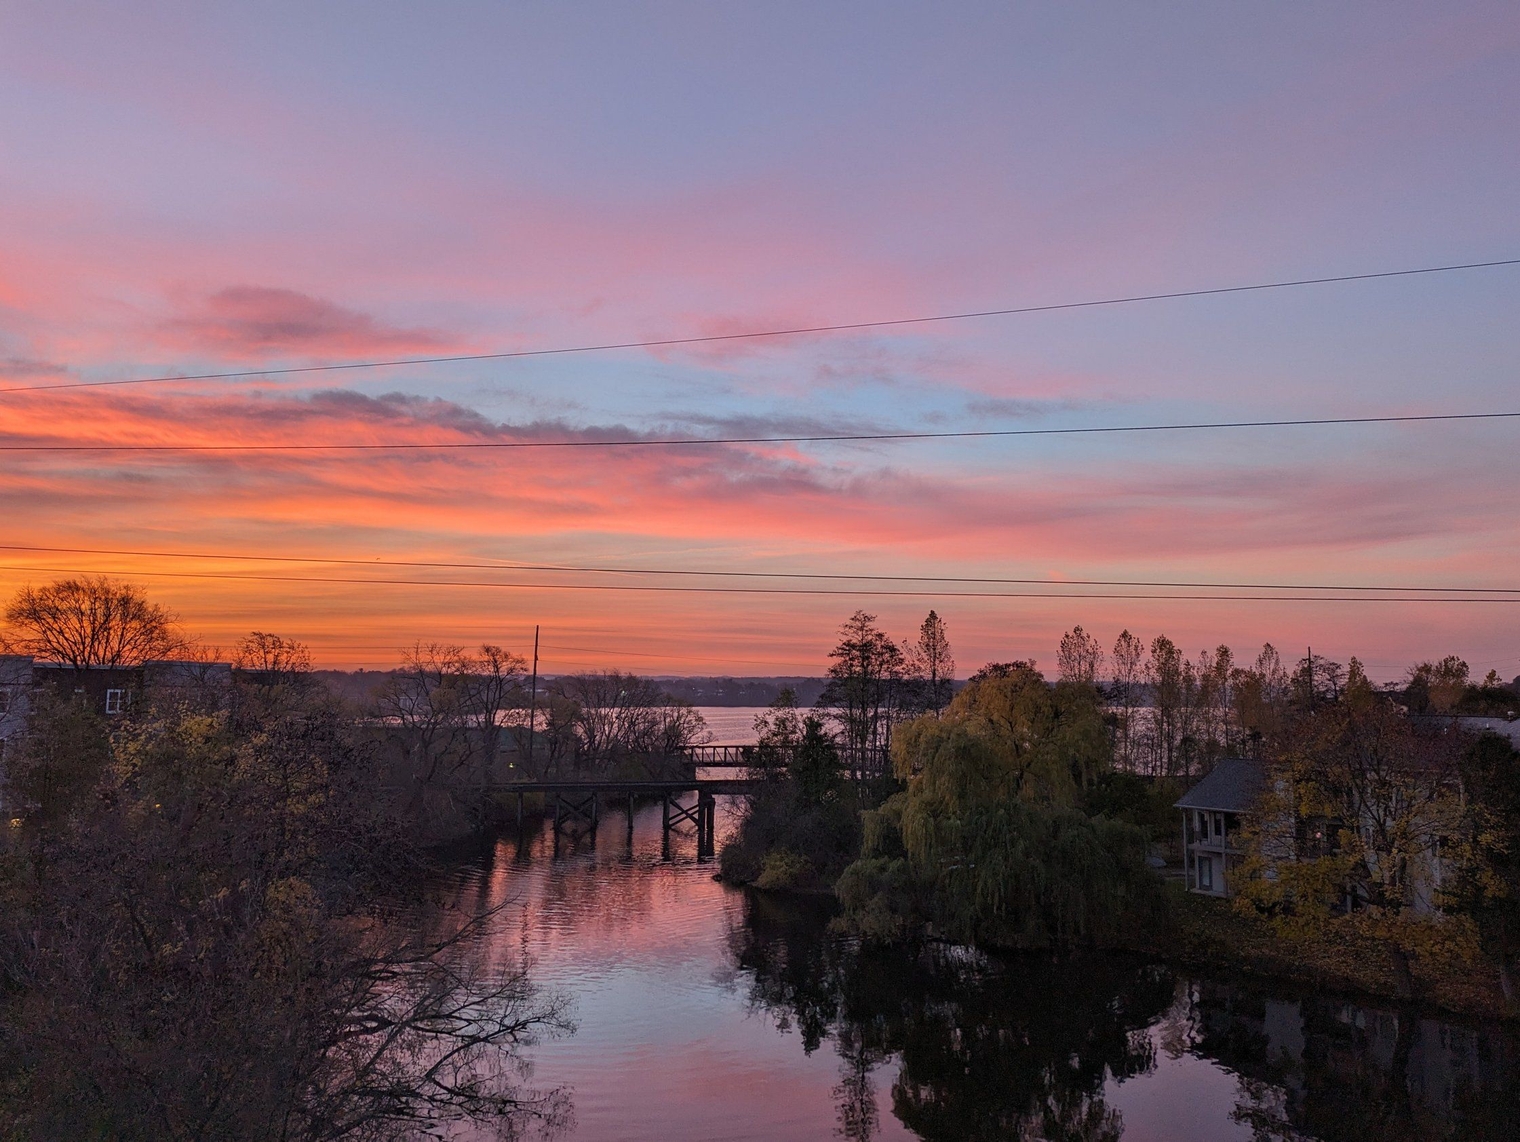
{"x": 1231, "y": 787}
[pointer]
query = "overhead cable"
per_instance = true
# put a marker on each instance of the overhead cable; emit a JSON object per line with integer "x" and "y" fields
{"x": 665, "y": 442}
{"x": 512, "y": 565}
{"x": 758, "y": 334}
{"x": 816, "y": 591}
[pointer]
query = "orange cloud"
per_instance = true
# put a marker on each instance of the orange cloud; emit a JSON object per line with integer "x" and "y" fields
{"x": 734, "y": 507}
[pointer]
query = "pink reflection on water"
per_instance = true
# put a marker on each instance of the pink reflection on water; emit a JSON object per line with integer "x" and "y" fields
{"x": 666, "y": 1045}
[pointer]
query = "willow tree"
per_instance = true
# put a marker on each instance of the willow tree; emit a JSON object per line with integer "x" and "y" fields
{"x": 986, "y": 843}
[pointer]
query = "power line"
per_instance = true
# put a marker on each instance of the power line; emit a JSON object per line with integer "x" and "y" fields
{"x": 841, "y": 327}
{"x": 454, "y": 565}
{"x": 815, "y": 591}
{"x": 665, "y": 442}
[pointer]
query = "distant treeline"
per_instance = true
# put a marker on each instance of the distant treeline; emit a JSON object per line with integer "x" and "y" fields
{"x": 706, "y": 690}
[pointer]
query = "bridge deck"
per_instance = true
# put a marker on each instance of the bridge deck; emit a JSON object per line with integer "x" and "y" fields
{"x": 610, "y": 785}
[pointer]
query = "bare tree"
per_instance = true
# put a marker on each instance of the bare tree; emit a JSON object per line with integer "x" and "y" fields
{"x": 1080, "y": 658}
{"x": 862, "y": 694}
{"x": 620, "y": 716}
{"x": 91, "y": 621}
{"x": 271, "y": 655}
{"x": 931, "y": 663}
{"x": 429, "y": 704}
{"x": 493, "y": 683}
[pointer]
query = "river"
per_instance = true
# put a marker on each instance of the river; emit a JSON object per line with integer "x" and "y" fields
{"x": 708, "y": 1012}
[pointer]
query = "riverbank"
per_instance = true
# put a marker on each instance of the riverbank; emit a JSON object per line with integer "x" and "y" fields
{"x": 1210, "y": 936}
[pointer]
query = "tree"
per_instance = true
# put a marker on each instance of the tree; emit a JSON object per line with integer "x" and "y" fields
{"x": 1129, "y": 659}
{"x": 799, "y": 826}
{"x": 272, "y": 669}
{"x": 271, "y": 656}
{"x": 1489, "y": 887}
{"x": 862, "y": 695}
{"x": 195, "y": 945}
{"x": 1362, "y": 808}
{"x": 1215, "y": 672}
{"x": 91, "y": 621}
{"x": 1042, "y": 743}
{"x": 778, "y": 731}
{"x": 1080, "y": 658}
{"x": 1437, "y": 687}
{"x": 1173, "y": 685}
{"x": 985, "y": 842}
{"x": 930, "y": 662}
{"x": 1316, "y": 680}
{"x": 429, "y": 703}
{"x": 447, "y": 708}
{"x": 494, "y": 686}
{"x": 621, "y": 716}
{"x": 1258, "y": 698}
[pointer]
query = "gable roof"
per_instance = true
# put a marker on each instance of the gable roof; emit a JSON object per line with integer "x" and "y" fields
{"x": 1231, "y": 787}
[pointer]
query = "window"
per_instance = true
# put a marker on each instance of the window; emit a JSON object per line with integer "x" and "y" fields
{"x": 1219, "y": 825}
{"x": 1205, "y": 872}
{"x": 1203, "y": 826}
{"x": 115, "y": 699}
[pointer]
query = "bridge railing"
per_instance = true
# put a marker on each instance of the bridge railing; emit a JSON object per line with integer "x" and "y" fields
{"x": 780, "y": 757}
{"x": 718, "y": 755}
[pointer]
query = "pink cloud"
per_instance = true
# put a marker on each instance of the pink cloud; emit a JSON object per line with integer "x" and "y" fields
{"x": 242, "y": 322}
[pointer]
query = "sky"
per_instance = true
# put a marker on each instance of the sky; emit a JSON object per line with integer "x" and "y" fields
{"x": 190, "y": 189}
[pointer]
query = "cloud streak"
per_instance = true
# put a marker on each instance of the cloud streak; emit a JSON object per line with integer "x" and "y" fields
{"x": 244, "y": 323}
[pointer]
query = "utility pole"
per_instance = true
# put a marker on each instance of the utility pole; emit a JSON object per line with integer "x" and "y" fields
{"x": 533, "y": 701}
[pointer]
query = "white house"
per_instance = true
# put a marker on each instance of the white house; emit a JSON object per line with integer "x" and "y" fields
{"x": 1211, "y": 822}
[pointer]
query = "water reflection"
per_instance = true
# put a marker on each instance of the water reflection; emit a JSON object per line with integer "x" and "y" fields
{"x": 681, "y": 984}
{"x": 1033, "y": 1047}
{"x": 986, "y": 1049}
{"x": 1326, "y": 1069}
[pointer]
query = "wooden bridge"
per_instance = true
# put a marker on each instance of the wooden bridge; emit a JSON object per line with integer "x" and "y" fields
{"x": 581, "y": 801}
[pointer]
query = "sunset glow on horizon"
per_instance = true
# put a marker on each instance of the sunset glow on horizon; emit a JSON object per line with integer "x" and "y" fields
{"x": 193, "y": 190}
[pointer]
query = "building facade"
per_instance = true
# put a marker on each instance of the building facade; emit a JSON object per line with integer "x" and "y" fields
{"x": 1213, "y": 812}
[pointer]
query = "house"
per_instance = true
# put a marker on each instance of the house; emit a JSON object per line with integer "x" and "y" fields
{"x": 15, "y": 690}
{"x": 108, "y": 690}
{"x": 1212, "y": 813}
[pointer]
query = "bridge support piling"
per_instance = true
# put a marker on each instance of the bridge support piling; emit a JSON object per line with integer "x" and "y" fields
{"x": 705, "y": 819}
{"x": 558, "y": 801}
{"x": 519, "y": 814}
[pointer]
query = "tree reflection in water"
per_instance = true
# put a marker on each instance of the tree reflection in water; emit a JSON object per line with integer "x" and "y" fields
{"x": 988, "y": 1050}
{"x": 1025, "y": 1047}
